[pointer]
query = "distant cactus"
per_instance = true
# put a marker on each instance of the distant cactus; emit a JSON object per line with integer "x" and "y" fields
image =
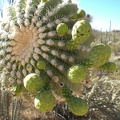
{"x": 32, "y": 42}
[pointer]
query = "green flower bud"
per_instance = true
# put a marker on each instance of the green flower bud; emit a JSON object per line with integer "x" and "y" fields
{"x": 41, "y": 65}
{"x": 78, "y": 106}
{"x": 45, "y": 101}
{"x": 80, "y": 33}
{"x": 62, "y": 29}
{"x": 108, "y": 66}
{"x": 33, "y": 82}
{"x": 77, "y": 73}
{"x": 80, "y": 13}
{"x": 99, "y": 55}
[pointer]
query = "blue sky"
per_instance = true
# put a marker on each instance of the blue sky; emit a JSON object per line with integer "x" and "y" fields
{"x": 102, "y": 11}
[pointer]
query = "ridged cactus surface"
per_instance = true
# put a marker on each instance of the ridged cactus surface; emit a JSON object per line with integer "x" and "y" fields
{"x": 40, "y": 43}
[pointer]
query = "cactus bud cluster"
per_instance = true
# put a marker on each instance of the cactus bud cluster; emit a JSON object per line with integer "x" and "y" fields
{"x": 44, "y": 46}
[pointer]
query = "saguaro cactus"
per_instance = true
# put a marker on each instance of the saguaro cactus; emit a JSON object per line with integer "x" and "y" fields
{"x": 42, "y": 38}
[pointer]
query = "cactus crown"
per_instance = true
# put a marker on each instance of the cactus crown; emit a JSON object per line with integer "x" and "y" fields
{"x": 32, "y": 42}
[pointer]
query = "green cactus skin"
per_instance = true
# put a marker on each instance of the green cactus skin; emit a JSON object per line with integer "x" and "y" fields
{"x": 108, "y": 66}
{"x": 45, "y": 101}
{"x": 81, "y": 13}
{"x": 33, "y": 82}
{"x": 77, "y": 73}
{"x": 81, "y": 31}
{"x": 62, "y": 29}
{"x": 77, "y": 106}
{"x": 99, "y": 55}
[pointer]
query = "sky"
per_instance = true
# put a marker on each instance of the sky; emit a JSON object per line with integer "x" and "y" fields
{"x": 102, "y": 12}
